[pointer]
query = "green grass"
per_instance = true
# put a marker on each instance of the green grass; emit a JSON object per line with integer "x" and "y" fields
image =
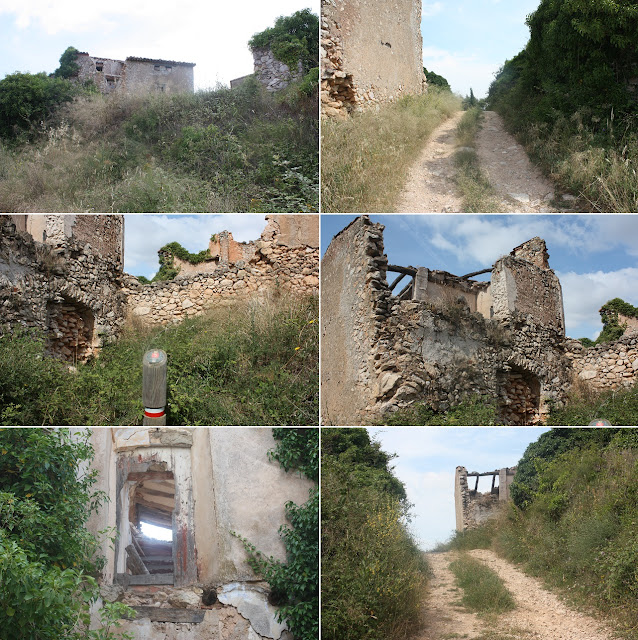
{"x": 477, "y": 192}
{"x": 242, "y": 364}
{"x": 215, "y": 150}
{"x": 483, "y": 590}
{"x": 479, "y": 538}
{"x": 478, "y": 410}
{"x": 365, "y": 158}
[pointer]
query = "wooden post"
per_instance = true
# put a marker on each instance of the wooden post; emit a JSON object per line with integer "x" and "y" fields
{"x": 154, "y": 387}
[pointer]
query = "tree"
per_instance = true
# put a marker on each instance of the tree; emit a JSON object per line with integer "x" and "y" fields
{"x": 68, "y": 66}
{"x": 48, "y": 559}
{"x": 436, "y": 80}
{"x": 28, "y": 99}
{"x": 293, "y": 38}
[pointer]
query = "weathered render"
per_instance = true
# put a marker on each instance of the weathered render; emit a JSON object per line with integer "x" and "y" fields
{"x": 63, "y": 274}
{"x": 371, "y": 52}
{"x": 136, "y": 75}
{"x": 473, "y": 508}
{"x": 202, "y": 485}
{"x": 68, "y": 283}
{"x": 446, "y": 338}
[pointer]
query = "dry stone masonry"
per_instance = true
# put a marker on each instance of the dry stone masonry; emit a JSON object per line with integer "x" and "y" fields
{"x": 64, "y": 286}
{"x": 473, "y": 508}
{"x": 63, "y": 274}
{"x": 446, "y": 338}
{"x": 370, "y": 53}
{"x": 285, "y": 258}
{"x": 273, "y": 74}
{"x": 136, "y": 75}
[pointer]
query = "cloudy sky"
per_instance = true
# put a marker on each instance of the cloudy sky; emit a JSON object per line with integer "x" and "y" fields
{"x": 466, "y": 41}
{"x": 144, "y": 234}
{"x": 428, "y": 456}
{"x": 594, "y": 256}
{"x": 214, "y": 35}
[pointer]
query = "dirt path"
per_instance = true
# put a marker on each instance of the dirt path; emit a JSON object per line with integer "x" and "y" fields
{"x": 521, "y": 187}
{"x": 539, "y": 614}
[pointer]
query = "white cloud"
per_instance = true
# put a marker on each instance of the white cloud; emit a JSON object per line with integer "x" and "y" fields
{"x": 462, "y": 70}
{"x": 214, "y": 35}
{"x": 145, "y": 234}
{"x": 585, "y": 293}
{"x": 431, "y": 9}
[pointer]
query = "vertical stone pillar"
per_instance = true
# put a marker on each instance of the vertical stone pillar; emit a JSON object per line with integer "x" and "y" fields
{"x": 420, "y": 287}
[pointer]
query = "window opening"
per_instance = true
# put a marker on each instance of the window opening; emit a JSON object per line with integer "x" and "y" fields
{"x": 71, "y": 326}
{"x": 99, "y": 66}
{"x": 156, "y": 67}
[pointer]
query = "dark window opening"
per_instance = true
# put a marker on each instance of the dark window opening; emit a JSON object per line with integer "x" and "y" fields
{"x": 156, "y": 67}
{"x": 99, "y": 66}
{"x": 168, "y": 68}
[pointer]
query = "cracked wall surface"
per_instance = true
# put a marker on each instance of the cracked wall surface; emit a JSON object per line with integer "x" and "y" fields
{"x": 452, "y": 339}
{"x": 371, "y": 53}
{"x": 225, "y": 483}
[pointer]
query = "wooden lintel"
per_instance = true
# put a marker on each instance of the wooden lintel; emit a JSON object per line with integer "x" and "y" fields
{"x": 408, "y": 271}
{"x": 154, "y": 578}
{"x": 157, "y": 614}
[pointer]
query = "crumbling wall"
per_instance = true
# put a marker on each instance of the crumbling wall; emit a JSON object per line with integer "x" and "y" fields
{"x": 380, "y": 353}
{"x": 473, "y": 508}
{"x": 136, "y": 75}
{"x": 286, "y": 257}
{"x": 353, "y": 306}
{"x": 371, "y": 53}
{"x": 232, "y": 487}
{"x": 273, "y": 74}
{"x": 609, "y": 365}
{"x": 63, "y": 287}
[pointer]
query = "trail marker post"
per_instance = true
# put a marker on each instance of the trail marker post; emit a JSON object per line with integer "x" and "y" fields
{"x": 154, "y": 387}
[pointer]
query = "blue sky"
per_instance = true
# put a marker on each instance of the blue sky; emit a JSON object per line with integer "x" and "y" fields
{"x": 428, "y": 457}
{"x": 594, "y": 256}
{"x": 144, "y": 234}
{"x": 214, "y": 35}
{"x": 466, "y": 41}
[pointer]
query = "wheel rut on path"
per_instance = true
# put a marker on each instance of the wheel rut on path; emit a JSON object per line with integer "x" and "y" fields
{"x": 519, "y": 185}
{"x": 539, "y": 614}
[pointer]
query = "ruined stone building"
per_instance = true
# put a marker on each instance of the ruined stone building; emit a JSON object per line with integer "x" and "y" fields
{"x": 199, "y": 486}
{"x": 473, "y": 508}
{"x": 63, "y": 274}
{"x": 136, "y": 75}
{"x": 371, "y": 52}
{"x": 443, "y": 339}
{"x": 272, "y": 74}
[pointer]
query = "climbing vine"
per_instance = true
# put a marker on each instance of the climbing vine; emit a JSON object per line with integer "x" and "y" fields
{"x": 612, "y": 329}
{"x": 295, "y": 583}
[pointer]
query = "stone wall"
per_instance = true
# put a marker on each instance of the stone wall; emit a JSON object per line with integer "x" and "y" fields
{"x": 285, "y": 258}
{"x": 64, "y": 287}
{"x": 223, "y": 483}
{"x": 136, "y": 75}
{"x": 273, "y": 74}
{"x": 473, "y": 508}
{"x": 371, "y": 53}
{"x": 380, "y": 353}
{"x": 608, "y": 365}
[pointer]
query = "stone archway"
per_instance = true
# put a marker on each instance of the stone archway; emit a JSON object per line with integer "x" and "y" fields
{"x": 520, "y": 397}
{"x": 71, "y": 330}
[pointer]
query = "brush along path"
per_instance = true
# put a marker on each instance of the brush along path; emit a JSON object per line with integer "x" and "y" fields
{"x": 539, "y": 614}
{"x": 519, "y": 185}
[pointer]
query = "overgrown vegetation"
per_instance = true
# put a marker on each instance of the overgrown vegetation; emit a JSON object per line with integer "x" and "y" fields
{"x": 475, "y": 188}
{"x": 573, "y": 521}
{"x": 364, "y": 158}
{"x": 372, "y": 572}
{"x": 48, "y": 559}
{"x": 245, "y": 363}
{"x": 570, "y": 96}
{"x": 215, "y": 150}
{"x": 434, "y": 79}
{"x": 292, "y": 39}
{"x": 612, "y": 328}
{"x": 475, "y": 410}
{"x": 483, "y": 590}
{"x": 295, "y": 583}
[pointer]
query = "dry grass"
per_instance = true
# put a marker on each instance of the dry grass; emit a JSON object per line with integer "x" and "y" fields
{"x": 365, "y": 158}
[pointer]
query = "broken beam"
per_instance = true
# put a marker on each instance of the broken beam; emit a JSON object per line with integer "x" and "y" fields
{"x": 475, "y": 273}
{"x": 408, "y": 271}
{"x": 156, "y": 614}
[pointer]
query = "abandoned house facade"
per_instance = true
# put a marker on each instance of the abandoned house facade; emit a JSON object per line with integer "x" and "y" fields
{"x": 443, "y": 339}
{"x": 63, "y": 274}
{"x": 472, "y": 508}
{"x": 136, "y": 75}
{"x": 371, "y": 53}
{"x": 200, "y": 487}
